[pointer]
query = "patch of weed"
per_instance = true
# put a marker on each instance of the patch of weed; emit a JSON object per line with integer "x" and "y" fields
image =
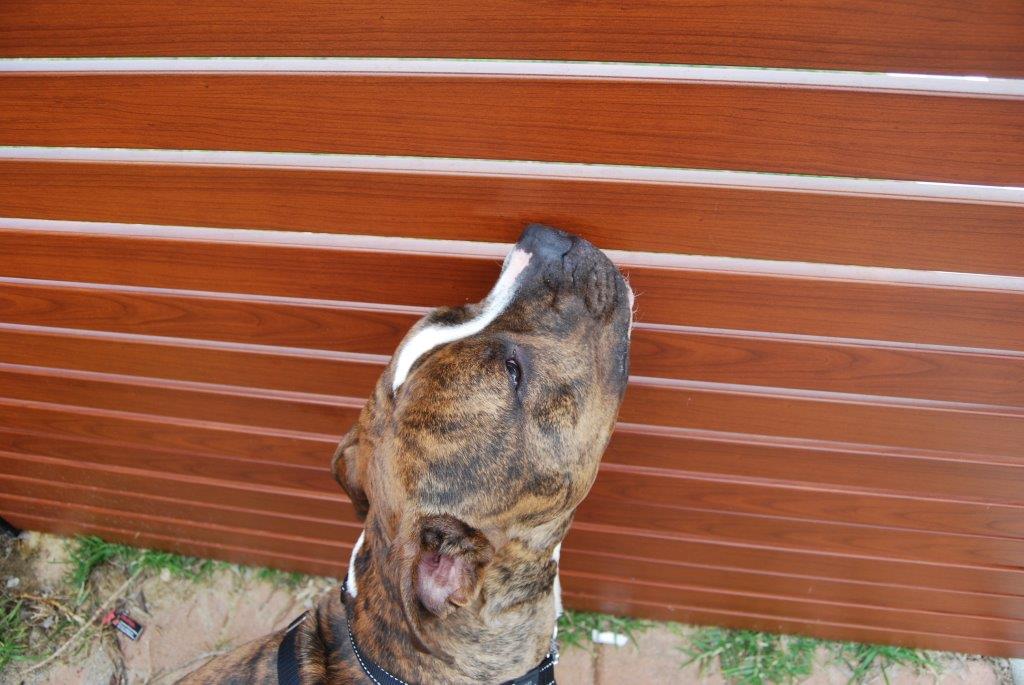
{"x": 576, "y": 627}
{"x": 865, "y": 661}
{"x": 86, "y": 553}
{"x": 178, "y": 565}
{"x": 274, "y": 576}
{"x": 13, "y": 633}
{"x": 748, "y": 657}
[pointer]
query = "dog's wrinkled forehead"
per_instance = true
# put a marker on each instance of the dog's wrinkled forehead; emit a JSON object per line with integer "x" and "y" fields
{"x": 434, "y": 334}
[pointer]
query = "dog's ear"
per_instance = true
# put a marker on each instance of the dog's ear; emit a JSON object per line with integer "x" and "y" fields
{"x": 441, "y": 567}
{"x": 347, "y": 467}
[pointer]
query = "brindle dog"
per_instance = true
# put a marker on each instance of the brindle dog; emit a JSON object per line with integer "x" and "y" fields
{"x": 482, "y": 437}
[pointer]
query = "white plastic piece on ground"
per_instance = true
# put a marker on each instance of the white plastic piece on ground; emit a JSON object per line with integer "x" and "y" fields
{"x": 608, "y": 638}
{"x": 1017, "y": 670}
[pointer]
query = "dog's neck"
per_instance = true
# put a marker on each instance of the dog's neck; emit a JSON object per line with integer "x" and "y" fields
{"x": 504, "y": 633}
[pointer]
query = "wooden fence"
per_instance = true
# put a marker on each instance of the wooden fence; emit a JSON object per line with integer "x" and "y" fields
{"x": 204, "y": 263}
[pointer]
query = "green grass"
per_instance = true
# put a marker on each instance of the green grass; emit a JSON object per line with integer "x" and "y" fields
{"x": 747, "y": 657}
{"x": 13, "y": 633}
{"x": 752, "y": 658}
{"x": 865, "y": 661}
{"x": 576, "y": 627}
{"x": 289, "y": 579}
{"x": 87, "y": 553}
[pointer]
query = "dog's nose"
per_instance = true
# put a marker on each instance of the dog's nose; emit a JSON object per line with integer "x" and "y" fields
{"x": 545, "y": 243}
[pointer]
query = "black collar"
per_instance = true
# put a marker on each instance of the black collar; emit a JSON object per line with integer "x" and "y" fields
{"x": 288, "y": 665}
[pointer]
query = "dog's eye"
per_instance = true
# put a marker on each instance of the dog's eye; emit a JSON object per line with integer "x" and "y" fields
{"x": 515, "y": 372}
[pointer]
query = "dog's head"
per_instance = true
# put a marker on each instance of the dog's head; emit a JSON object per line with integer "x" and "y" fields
{"x": 487, "y": 427}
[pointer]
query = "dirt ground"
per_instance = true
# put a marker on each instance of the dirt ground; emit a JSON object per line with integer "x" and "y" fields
{"x": 188, "y": 621}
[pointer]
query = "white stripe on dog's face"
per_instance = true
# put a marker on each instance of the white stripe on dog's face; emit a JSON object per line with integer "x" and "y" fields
{"x": 432, "y": 336}
{"x": 350, "y": 578}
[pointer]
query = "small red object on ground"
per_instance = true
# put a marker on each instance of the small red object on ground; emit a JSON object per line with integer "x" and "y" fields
{"x": 123, "y": 622}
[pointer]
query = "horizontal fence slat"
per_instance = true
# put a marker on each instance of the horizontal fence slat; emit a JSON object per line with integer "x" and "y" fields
{"x": 274, "y": 369}
{"x": 689, "y": 219}
{"x": 168, "y": 504}
{"x": 806, "y": 564}
{"x": 63, "y": 521}
{"x": 150, "y": 495}
{"x": 243, "y": 443}
{"x": 313, "y": 537}
{"x": 325, "y": 418}
{"x": 902, "y": 36}
{"x": 989, "y": 628}
{"x": 766, "y": 459}
{"x": 655, "y": 123}
{"x": 152, "y": 523}
{"x": 174, "y": 479}
{"x": 681, "y": 491}
{"x": 57, "y": 520}
{"x": 683, "y": 355}
{"x": 943, "y": 479}
{"x": 313, "y": 417}
{"x": 783, "y": 624}
{"x": 287, "y": 488}
{"x": 607, "y": 509}
{"x": 693, "y": 297}
{"x": 809, "y": 610}
{"x": 207, "y": 316}
{"x": 868, "y": 421}
{"x": 788, "y": 533}
{"x": 829, "y": 590}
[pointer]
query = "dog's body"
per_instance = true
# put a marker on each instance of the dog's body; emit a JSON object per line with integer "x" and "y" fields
{"x": 482, "y": 437}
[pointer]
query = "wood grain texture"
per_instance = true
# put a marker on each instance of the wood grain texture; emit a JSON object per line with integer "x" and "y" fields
{"x": 752, "y": 580}
{"x": 691, "y": 297}
{"x": 870, "y": 369}
{"x": 657, "y": 123}
{"x": 804, "y": 564}
{"x": 348, "y": 327}
{"x": 78, "y": 466}
{"x": 59, "y": 522}
{"x": 679, "y": 489}
{"x": 836, "y": 452}
{"x": 55, "y": 520}
{"x": 997, "y": 629}
{"x": 149, "y": 493}
{"x": 244, "y": 443}
{"x": 88, "y": 503}
{"x": 292, "y": 488}
{"x": 618, "y": 483}
{"x": 927, "y": 622}
{"x": 773, "y": 524}
{"x": 865, "y": 35}
{"x": 324, "y": 418}
{"x": 733, "y": 222}
{"x": 322, "y": 538}
{"x": 784, "y": 624}
{"x": 314, "y": 417}
{"x": 961, "y": 432}
{"x": 614, "y": 486}
{"x": 784, "y": 534}
{"x": 966, "y": 486}
{"x": 767, "y": 459}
